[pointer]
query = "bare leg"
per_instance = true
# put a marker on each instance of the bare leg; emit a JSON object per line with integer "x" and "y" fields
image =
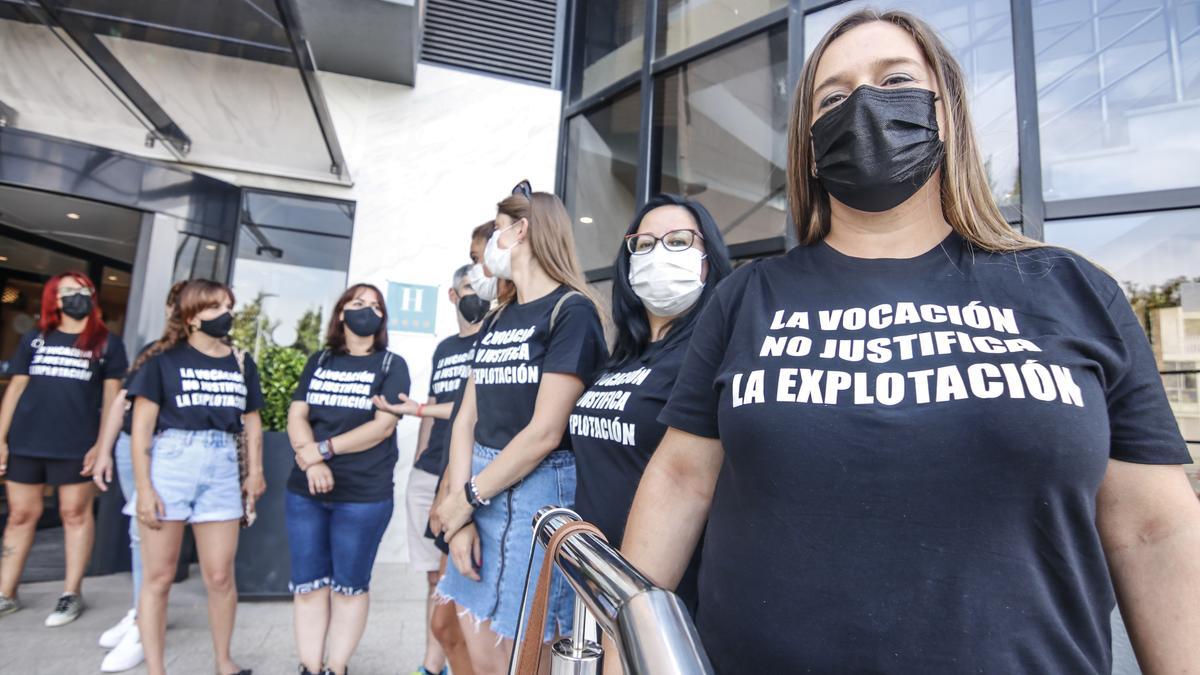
{"x": 24, "y": 511}
{"x": 216, "y": 546}
{"x": 310, "y": 612}
{"x": 450, "y": 635}
{"x": 160, "y": 554}
{"x": 435, "y": 658}
{"x": 487, "y": 657}
{"x": 79, "y": 530}
{"x": 346, "y": 625}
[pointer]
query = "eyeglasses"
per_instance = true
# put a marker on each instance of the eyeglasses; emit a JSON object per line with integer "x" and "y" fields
{"x": 524, "y": 189}
{"x": 675, "y": 240}
{"x": 82, "y": 290}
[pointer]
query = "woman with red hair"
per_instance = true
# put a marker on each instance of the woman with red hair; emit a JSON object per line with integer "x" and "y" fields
{"x": 63, "y": 371}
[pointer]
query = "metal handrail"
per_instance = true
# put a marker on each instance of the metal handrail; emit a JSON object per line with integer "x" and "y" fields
{"x": 650, "y": 626}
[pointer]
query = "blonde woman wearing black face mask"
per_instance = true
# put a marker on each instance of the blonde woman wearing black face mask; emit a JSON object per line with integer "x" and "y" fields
{"x": 922, "y": 442}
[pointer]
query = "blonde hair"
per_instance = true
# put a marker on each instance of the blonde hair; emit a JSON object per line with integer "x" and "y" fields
{"x": 550, "y": 240}
{"x": 967, "y": 201}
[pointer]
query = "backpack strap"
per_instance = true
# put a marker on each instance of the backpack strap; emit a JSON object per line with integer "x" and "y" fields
{"x": 240, "y": 355}
{"x": 322, "y": 357}
{"x": 559, "y": 305}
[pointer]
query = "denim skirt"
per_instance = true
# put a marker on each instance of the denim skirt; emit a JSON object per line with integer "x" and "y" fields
{"x": 505, "y": 532}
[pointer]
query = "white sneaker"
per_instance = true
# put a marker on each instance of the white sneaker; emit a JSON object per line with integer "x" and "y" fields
{"x": 127, "y": 654}
{"x": 112, "y": 636}
{"x": 67, "y": 609}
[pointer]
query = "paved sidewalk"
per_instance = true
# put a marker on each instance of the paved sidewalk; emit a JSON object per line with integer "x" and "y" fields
{"x": 393, "y": 644}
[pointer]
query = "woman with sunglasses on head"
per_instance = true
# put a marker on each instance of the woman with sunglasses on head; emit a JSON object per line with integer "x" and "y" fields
{"x": 508, "y": 450}
{"x": 339, "y": 498}
{"x": 940, "y": 444}
{"x": 670, "y": 262}
{"x": 123, "y": 638}
{"x": 193, "y": 395}
{"x": 63, "y": 373}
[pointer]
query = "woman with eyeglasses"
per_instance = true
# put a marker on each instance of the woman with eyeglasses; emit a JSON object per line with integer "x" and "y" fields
{"x": 63, "y": 373}
{"x": 918, "y": 442}
{"x": 509, "y": 451}
{"x": 670, "y": 262}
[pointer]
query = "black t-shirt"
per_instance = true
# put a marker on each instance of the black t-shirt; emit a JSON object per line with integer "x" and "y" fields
{"x": 514, "y": 351}
{"x": 338, "y": 393}
{"x": 58, "y": 414}
{"x": 451, "y": 366}
{"x": 614, "y": 432}
{"x": 912, "y": 454}
{"x": 127, "y": 421}
{"x": 197, "y": 392}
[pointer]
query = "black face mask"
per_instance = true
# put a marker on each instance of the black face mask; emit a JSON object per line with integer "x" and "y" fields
{"x": 364, "y": 322}
{"x": 473, "y": 308}
{"x": 878, "y": 147}
{"x": 76, "y": 305}
{"x": 218, "y": 327}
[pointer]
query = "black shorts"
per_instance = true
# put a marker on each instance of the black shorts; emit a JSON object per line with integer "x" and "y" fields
{"x": 40, "y": 470}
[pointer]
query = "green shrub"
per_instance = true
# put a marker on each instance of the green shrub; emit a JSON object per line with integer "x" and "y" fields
{"x": 279, "y": 371}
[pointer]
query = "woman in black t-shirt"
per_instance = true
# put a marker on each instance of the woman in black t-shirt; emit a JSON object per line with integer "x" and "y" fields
{"x": 670, "y": 262}
{"x": 923, "y": 443}
{"x": 62, "y": 374}
{"x": 192, "y": 395}
{"x": 339, "y": 497}
{"x": 509, "y": 453}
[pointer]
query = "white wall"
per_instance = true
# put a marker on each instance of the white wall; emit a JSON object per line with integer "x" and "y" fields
{"x": 429, "y": 164}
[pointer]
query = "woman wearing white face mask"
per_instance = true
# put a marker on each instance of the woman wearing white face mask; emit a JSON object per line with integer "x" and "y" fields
{"x": 509, "y": 451}
{"x": 670, "y": 260}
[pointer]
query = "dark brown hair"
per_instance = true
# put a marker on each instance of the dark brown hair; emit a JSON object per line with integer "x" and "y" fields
{"x": 335, "y": 335}
{"x": 484, "y": 231}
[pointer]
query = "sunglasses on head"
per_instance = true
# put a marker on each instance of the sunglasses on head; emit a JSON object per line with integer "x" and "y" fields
{"x": 524, "y": 189}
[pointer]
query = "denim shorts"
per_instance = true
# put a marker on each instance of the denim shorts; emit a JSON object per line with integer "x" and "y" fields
{"x": 195, "y": 474}
{"x": 505, "y": 531}
{"x": 334, "y": 543}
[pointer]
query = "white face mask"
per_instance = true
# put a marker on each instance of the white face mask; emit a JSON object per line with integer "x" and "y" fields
{"x": 668, "y": 282}
{"x": 485, "y": 287}
{"x": 498, "y": 260}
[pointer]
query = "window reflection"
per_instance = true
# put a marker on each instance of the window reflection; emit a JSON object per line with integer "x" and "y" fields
{"x": 724, "y": 132}
{"x": 200, "y": 258}
{"x": 611, "y": 33}
{"x": 1118, "y": 95}
{"x": 1156, "y": 258}
{"x": 979, "y": 34}
{"x": 601, "y": 177}
{"x": 690, "y": 22}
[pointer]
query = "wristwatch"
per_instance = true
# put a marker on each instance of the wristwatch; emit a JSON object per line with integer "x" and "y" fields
{"x": 325, "y": 447}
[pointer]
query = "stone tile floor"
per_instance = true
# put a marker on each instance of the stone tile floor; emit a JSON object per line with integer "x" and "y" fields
{"x": 393, "y": 644}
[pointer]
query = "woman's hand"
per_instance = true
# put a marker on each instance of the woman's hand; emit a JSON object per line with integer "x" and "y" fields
{"x": 406, "y": 406}
{"x": 89, "y": 461}
{"x": 454, "y": 512}
{"x": 320, "y": 479}
{"x": 465, "y": 552}
{"x": 101, "y": 471}
{"x": 150, "y": 508}
{"x": 435, "y": 523}
{"x": 307, "y": 455}
{"x": 254, "y": 487}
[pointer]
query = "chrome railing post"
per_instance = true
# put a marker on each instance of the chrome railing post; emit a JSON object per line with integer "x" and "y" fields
{"x": 650, "y": 626}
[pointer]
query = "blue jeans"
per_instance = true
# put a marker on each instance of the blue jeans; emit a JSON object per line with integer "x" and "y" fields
{"x": 124, "y": 461}
{"x": 505, "y": 528}
{"x": 334, "y": 543}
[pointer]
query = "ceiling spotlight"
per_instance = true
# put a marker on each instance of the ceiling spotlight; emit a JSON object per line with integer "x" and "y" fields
{"x": 3, "y": 258}
{"x": 73, "y": 216}
{"x": 112, "y": 277}
{"x": 586, "y": 220}
{"x": 210, "y": 247}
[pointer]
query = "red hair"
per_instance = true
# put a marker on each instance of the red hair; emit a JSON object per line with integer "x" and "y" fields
{"x": 94, "y": 334}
